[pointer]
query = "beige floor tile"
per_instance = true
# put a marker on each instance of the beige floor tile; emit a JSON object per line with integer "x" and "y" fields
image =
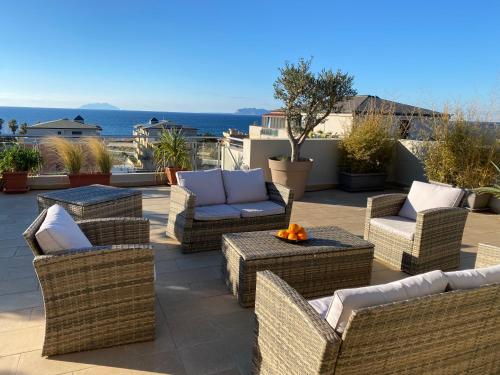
{"x": 21, "y": 340}
{"x": 8, "y": 365}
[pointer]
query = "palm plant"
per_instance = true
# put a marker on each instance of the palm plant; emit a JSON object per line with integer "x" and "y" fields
{"x": 172, "y": 150}
{"x": 494, "y": 189}
{"x": 171, "y": 153}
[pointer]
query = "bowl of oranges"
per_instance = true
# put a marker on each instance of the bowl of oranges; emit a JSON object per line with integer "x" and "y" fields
{"x": 294, "y": 234}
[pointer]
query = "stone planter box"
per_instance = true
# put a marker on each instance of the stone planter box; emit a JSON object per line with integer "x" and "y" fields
{"x": 362, "y": 181}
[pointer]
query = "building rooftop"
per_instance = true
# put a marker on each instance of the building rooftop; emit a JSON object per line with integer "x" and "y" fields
{"x": 360, "y": 104}
{"x": 200, "y": 327}
{"x": 162, "y": 124}
{"x": 65, "y": 124}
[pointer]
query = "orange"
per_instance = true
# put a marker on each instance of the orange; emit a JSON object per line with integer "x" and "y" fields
{"x": 283, "y": 233}
{"x": 292, "y": 236}
{"x": 293, "y": 228}
{"x": 301, "y": 230}
{"x": 302, "y": 236}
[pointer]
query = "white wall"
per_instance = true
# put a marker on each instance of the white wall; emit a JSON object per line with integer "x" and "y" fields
{"x": 406, "y": 166}
{"x": 256, "y": 153}
{"x": 336, "y": 124}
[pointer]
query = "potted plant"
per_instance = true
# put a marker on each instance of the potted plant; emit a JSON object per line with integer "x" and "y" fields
{"x": 493, "y": 191}
{"x": 366, "y": 152}
{"x": 75, "y": 155}
{"x": 171, "y": 154}
{"x": 308, "y": 99}
{"x": 15, "y": 164}
{"x": 462, "y": 155}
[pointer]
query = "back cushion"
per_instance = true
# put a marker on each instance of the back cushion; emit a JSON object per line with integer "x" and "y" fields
{"x": 345, "y": 301}
{"x": 423, "y": 196}
{"x": 245, "y": 186}
{"x": 60, "y": 232}
{"x": 469, "y": 279}
{"x": 206, "y": 185}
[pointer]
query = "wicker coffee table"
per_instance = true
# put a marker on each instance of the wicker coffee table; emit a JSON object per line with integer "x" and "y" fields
{"x": 94, "y": 201}
{"x": 331, "y": 259}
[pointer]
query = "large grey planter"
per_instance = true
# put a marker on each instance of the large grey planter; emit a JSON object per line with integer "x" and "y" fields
{"x": 471, "y": 200}
{"x": 362, "y": 181}
{"x": 477, "y": 202}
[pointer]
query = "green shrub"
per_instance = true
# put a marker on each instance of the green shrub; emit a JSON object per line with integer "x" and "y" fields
{"x": 20, "y": 159}
{"x": 172, "y": 150}
{"x": 368, "y": 146}
{"x": 460, "y": 154}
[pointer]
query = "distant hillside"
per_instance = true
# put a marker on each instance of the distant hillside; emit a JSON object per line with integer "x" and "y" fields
{"x": 251, "y": 111}
{"x": 99, "y": 106}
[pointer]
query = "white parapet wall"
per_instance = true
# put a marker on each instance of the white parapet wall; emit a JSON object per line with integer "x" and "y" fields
{"x": 405, "y": 168}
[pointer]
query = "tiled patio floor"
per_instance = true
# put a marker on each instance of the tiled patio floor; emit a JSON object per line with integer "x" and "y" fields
{"x": 201, "y": 328}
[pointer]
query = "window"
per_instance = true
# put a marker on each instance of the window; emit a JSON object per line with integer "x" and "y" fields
{"x": 76, "y": 133}
{"x": 59, "y": 133}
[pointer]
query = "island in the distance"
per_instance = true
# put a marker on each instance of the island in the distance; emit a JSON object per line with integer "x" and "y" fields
{"x": 99, "y": 106}
{"x": 251, "y": 111}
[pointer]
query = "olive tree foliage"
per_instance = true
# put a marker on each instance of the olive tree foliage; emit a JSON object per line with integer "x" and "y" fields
{"x": 309, "y": 98}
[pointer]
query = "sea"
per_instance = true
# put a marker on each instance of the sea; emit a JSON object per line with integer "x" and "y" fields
{"x": 121, "y": 122}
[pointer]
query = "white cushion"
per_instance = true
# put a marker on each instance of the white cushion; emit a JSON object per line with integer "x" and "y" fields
{"x": 245, "y": 186}
{"x": 263, "y": 208}
{"x": 469, "y": 279}
{"x": 60, "y": 232}
{"x": 424, "y": 196}
{"x": 216, "y": 212}
{"x": 207, "y": 185}
{"x": 321, "y": 305}
{"x": 398, "y": 225}
{"x": 345, "y": 301}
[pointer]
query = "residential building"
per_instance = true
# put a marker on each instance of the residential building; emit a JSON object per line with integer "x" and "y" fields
{"x": 409, "y": 119}
{"x": 64, "y": 127}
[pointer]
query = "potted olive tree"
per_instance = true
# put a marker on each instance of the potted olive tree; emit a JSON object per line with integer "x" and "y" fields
{"x": 15, "y": 164}
{"x": 308, "y": 99}
{"x": 366, "y": 152}
{"x": 171, "y": 154}
{"x": 462, "y": 155}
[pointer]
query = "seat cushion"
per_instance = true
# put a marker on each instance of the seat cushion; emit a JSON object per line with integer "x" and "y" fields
{"x": 345, "y": 301}
{"x": 398, "y": 225}
{"x": 263, "y": 208}
{"x": 216, "y": 212}
{"x": 245, "y": 186}
{"x": 424, "y": 196}
{"x": 207, "y": 185}
{"x": 60, "y": 232}
{"x": 321, "y": 305}
{"x": 469, "y": 279}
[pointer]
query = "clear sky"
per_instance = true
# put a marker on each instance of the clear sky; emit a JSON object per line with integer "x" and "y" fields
{"x": 217, "y": 56}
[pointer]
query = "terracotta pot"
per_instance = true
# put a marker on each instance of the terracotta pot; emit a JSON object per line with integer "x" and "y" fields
{"x": 85, "y": 179}
{"x": 170, "y": 173}
{"x": 15, "y": 182}
{"x": 291, "y": 174}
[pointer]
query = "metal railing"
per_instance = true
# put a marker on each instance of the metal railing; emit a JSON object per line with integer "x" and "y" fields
{"x": 130, "y": 153}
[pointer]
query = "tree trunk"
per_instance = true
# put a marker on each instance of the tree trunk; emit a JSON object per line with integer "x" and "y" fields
{"x": 295, "y": 150}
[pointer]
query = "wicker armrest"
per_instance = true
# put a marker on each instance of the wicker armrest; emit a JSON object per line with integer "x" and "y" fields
{"x": 116, "y": 230}
{"x": 487, "y": 255}
{"x": 288, "y": 328}
{"x": 384, "y": 205}
{"x": 280, "y": 193}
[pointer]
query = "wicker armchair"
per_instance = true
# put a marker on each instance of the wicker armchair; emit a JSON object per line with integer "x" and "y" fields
{"x": 98, "y": 297}
{"x": 436, "y": 243}
{"x": 456, "y": 332}
{"x": 207, "y": 235}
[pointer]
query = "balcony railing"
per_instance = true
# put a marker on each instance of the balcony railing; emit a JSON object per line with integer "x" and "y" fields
{"x": 130, "y": 153}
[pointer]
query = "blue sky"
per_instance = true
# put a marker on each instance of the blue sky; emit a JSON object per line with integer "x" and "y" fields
{"x": 217, "y": 56}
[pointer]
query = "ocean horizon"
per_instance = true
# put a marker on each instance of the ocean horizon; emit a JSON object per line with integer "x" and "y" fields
{"x": 121, "y": 122}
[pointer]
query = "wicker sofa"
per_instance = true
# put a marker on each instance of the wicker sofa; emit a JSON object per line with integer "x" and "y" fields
{"x": 195, "y": 235}
{"x": 455, "y": 332}
{"x": 436, "y": 242}
{"x": 97, "y": 297}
